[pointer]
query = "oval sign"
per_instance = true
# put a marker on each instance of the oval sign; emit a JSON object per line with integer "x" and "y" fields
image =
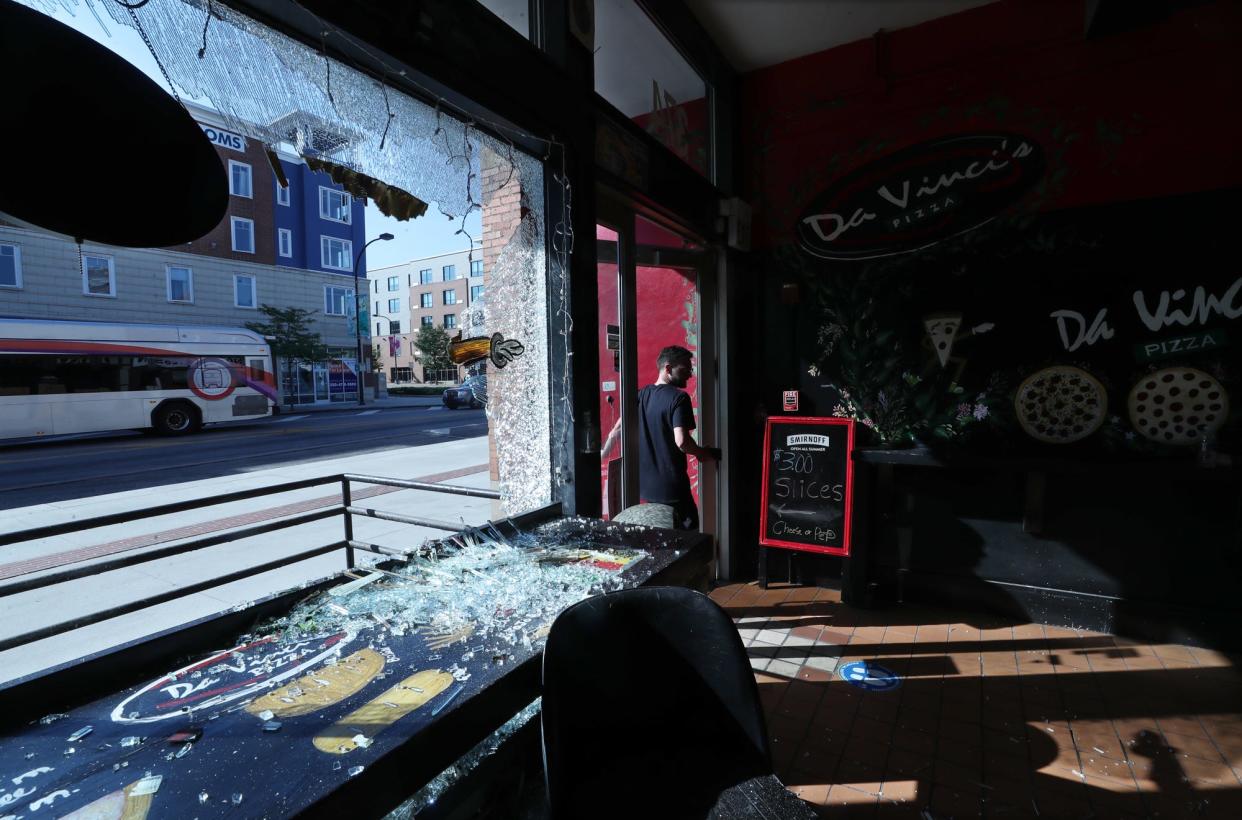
{"x": 920, "y": 195}
{"x": 236, "y": 674}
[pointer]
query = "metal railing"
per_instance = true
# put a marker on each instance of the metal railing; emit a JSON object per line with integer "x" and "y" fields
{"x": 346, "y": 509}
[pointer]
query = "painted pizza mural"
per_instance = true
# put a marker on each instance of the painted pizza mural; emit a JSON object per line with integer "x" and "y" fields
{"x": 949, "y": 307}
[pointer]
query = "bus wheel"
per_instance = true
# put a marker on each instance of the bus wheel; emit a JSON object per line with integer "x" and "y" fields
{"x": 175, "y": 419}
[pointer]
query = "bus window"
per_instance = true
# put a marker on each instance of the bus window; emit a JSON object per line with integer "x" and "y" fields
{"x": 50, "y": 384}
{"x": 18, "y": 375}
{"x": 159, "y": 374}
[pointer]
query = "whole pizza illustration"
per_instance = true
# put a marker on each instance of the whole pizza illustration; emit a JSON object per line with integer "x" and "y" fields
{"x": 1178, "y": 405}
{"x": 1061, "y": 404}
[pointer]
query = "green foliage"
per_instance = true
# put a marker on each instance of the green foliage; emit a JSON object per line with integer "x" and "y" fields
{"x": 289, "y": 335}
{"x": 885, "y": 379}
{"x": 433, "y": 343}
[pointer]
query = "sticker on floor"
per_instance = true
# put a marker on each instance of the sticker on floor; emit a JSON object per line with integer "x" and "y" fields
{"x": 869, "y": 676}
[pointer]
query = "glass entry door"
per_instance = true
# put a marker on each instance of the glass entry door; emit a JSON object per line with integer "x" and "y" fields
{"x": 321, "y": 381}
{"x": 651, "y": 283}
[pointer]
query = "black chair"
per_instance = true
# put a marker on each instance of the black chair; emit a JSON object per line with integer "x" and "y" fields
{"x": 650, "y": 707}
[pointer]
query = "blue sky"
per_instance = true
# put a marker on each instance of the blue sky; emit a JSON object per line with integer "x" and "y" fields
{"x": 428, "y": 235}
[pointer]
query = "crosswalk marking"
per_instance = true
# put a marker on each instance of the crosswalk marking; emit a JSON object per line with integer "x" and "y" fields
{"x": 288, "y": 418}
{"x": 366, "y": 412}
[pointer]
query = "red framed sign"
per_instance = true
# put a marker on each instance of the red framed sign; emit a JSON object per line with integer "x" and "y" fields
{"x": 808, "y": 484}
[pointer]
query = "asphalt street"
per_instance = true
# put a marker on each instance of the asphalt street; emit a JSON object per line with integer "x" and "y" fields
{"x": 56, "y": 470}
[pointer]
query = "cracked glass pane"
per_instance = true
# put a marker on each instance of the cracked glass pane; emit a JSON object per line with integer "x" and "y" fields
{"x": 290, "y": 97}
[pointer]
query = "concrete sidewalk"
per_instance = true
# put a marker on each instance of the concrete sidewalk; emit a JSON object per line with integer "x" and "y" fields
{"x": 462, "y": 462}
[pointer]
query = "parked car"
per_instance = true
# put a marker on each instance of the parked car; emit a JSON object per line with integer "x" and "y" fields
{"x": 470, "y": 393}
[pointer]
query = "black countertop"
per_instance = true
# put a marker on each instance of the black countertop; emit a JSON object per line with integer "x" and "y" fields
{"x": 346, "y": 721}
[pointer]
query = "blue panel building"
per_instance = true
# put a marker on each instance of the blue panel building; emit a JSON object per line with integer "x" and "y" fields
{"x": 324, "y": 225}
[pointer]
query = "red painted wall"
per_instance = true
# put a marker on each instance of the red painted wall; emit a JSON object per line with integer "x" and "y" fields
{"x": 667, "y": 315}
{"x": 1139, "y": 129}
{"x": 1145, "y": 113}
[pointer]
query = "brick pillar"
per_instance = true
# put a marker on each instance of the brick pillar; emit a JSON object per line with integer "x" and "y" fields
{"x": 502, "y": 213}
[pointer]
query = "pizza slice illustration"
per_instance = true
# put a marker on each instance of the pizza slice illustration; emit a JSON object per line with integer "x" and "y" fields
{"x": 942, "y": 331}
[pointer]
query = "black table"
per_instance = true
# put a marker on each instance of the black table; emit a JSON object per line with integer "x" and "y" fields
{"x": 344, "y": 723}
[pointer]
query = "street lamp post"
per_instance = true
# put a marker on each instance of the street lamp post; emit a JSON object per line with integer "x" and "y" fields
{"x": 358, "y": 310}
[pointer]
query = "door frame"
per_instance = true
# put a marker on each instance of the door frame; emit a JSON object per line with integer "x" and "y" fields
{"x": 618, "y": 213}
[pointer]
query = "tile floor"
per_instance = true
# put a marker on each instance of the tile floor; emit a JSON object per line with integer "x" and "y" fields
{"x": 992, "y": 718}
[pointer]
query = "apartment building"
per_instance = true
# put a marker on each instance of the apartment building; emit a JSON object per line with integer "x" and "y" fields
{"x": 431, "y": 290}
{"x": 286, "y": 246}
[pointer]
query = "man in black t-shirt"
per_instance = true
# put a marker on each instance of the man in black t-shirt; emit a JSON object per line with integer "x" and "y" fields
{"x": 665, "y": 421}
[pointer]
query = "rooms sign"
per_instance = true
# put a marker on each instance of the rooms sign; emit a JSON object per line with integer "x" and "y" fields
{"x": 919, "y": 196}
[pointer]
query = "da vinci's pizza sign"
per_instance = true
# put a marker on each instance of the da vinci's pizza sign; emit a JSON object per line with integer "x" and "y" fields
{"x": 919, "y": 196}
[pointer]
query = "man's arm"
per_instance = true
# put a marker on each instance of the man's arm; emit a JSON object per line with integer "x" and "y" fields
{"x": 611, "y": 440}
{"x": 687, "y": 444}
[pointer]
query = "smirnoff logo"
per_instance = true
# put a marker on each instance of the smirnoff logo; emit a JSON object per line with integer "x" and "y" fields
{"x": 919, "y": 196}
{"x": 808, "y": 438}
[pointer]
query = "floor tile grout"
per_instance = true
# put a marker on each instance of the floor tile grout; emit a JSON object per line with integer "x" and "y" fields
{"x": 995, "y": 678}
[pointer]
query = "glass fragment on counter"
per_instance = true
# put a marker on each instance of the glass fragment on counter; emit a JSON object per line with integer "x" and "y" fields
{"x": 485, "y": 591}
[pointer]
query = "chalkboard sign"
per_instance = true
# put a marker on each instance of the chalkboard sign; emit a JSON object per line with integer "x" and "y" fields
{"x": 808, "y": 481}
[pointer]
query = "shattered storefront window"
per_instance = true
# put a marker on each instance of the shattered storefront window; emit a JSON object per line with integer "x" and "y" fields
{"x": 387, "y": 147}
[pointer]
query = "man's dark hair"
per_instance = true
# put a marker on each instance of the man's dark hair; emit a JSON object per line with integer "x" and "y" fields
{"x": 673, "y": 354}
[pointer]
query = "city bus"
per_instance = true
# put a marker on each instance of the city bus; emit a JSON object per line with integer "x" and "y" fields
{"x": 62, "y": 377}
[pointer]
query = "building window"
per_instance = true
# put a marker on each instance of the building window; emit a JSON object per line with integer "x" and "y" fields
{"x": 476, "y": 267}
{"x": 239, "y": 179}
{"x": 243, "y": 234}
{"x": 424, "y": 276}
{"x": 282, "y": 194}
{"x": 334, "y": 205}
{"x": 377, "y": 310}
{"x": 394, "y": 283}
{"x": 476, "y": 293}
{"x": 10, "y": 265}
{"x": 427, "y": 321}
{"x": 394, "y": 305}
{"x": 409, "y": 280}
{"x": 426, "y": 300}
{"x": 450, "y": 297}
{"x": 284, "y": 238}
{"x": 450, "y": 320}
{"x": 336, "y": 300}
{"x": 180, "y": 284}
{"x": 336, "y": 254}
{"x": 98, "y": 276}
{"x": 244, "y": 291}
{"x": 450, "y": 272}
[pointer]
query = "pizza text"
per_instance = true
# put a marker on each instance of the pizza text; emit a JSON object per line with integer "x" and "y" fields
{"x": 1208, "y": 340}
